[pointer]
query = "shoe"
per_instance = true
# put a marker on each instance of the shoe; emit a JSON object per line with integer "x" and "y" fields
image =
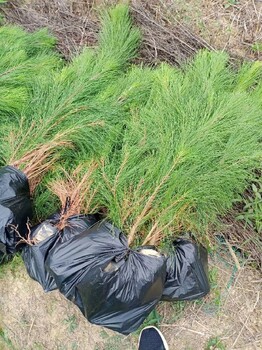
{"x": 152, "y": 339}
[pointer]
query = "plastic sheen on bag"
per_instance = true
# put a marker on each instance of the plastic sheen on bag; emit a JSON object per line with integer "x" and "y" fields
{"x": 113, "y": 286}
{"x": 43, "y": 237}
{"x": 15, "y": 208}
{"x": 187, "y": 272}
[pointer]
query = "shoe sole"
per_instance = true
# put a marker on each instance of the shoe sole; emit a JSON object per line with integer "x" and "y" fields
{"x": 159, "y": 332}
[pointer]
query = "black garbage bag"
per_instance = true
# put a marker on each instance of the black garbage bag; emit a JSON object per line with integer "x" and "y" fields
{"x": 187, "y": 272}
{"x": 41, "y": 240}
{"x": 113, "y": 286}
{"x": 15, "y": 208}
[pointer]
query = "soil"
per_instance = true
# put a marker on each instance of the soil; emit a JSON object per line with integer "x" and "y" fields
{"x": 228, "y": 317}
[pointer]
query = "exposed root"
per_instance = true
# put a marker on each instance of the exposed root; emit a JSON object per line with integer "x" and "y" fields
{"x": 27, "y": 239}
{"x": 75, "y": 192}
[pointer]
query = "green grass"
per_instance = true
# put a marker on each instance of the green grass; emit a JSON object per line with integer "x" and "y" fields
{"x": 257, "y": 47}
{"x": 6, "y": 341}
{"x": 71, "y": 323}
{"x": 215, "y": 343}
{"x": 13, "y": 266}
{"x": 252, "y": 211}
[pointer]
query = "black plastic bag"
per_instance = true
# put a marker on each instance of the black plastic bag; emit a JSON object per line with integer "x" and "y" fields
{"x": 113, "y": 286}
{"x": 43, "y": 237}
{"x": 187, "y": 272}
{"x": 15, "y": 208}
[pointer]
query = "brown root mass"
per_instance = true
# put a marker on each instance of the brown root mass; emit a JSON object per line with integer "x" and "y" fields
{"x": 76, "y": 193}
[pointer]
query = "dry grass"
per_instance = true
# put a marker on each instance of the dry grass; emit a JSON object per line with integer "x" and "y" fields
{"x": 75, "y": 24}
{"x": 231, "y": 25}
{"x": 164, "y": 40}
{"x": 243, "y": 237}
{"x": 230, "y": 313}
{"x": 172, "y": 30}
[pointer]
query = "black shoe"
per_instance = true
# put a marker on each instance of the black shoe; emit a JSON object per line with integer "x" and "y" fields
{"x": 152, "y": 339}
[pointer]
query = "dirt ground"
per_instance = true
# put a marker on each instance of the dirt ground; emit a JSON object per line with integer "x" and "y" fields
{"x": 231, "y": 25}
{"x": 173, "y": 30}
{"x": 228, "y": 318}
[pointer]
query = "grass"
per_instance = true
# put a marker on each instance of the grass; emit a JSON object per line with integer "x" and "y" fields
{"x": 216, "y": 292}
{"x": 215, "y": 344}
{"x": 5, "y": 340}
{"x": 178, "y": 309}
{"x": 252, "y": 211}
{"x": 71, "y": 323}
{"x": 13, "y": 266}
{"x": 115, "y": 342}
{"x": 257, "y": 47}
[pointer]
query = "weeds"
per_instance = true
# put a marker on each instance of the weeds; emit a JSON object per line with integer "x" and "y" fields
{"x": 230, "y": 3}
{"x": 215, "y": 344}
{"x": 13, "y": 266}
{"x": 257, "y": 47}
{"x": 6, "y": 340}
{"x": 252, "y": 211}
{"x": 71, "y": 323}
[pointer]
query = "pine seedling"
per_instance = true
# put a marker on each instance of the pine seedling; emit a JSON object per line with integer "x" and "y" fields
{"x": 76, "y": 191}
{"x": 128, "y": 93}
{"x": 22, "y": 56}
{"x": 64, "y": 109}
{"x": 187, "y": 154}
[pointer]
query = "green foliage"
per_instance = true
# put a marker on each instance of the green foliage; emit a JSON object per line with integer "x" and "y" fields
{"x": 153, "y": 319}
{"x": 46, "y": 203}
{"x": 257, "y": 47}
{"x": 178, "y": 309}
{"x": 73, "y": 108}
{"x": 71, "y": 323}
{"x": 172, "y": 148}
{"x": 118, "y": 39}
{"x": 11, "y": 265}
{"x": 215, "y": 343}
{"x": 22, "y": 57}
{"x": 188, "y": 153}
{"x": 230, "y": 3}
{"x": 5, "y": 340}
{"x": 114, "y": 342}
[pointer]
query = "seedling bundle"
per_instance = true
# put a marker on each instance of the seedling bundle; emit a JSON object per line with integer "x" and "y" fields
{"x": 114, "y": 153}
